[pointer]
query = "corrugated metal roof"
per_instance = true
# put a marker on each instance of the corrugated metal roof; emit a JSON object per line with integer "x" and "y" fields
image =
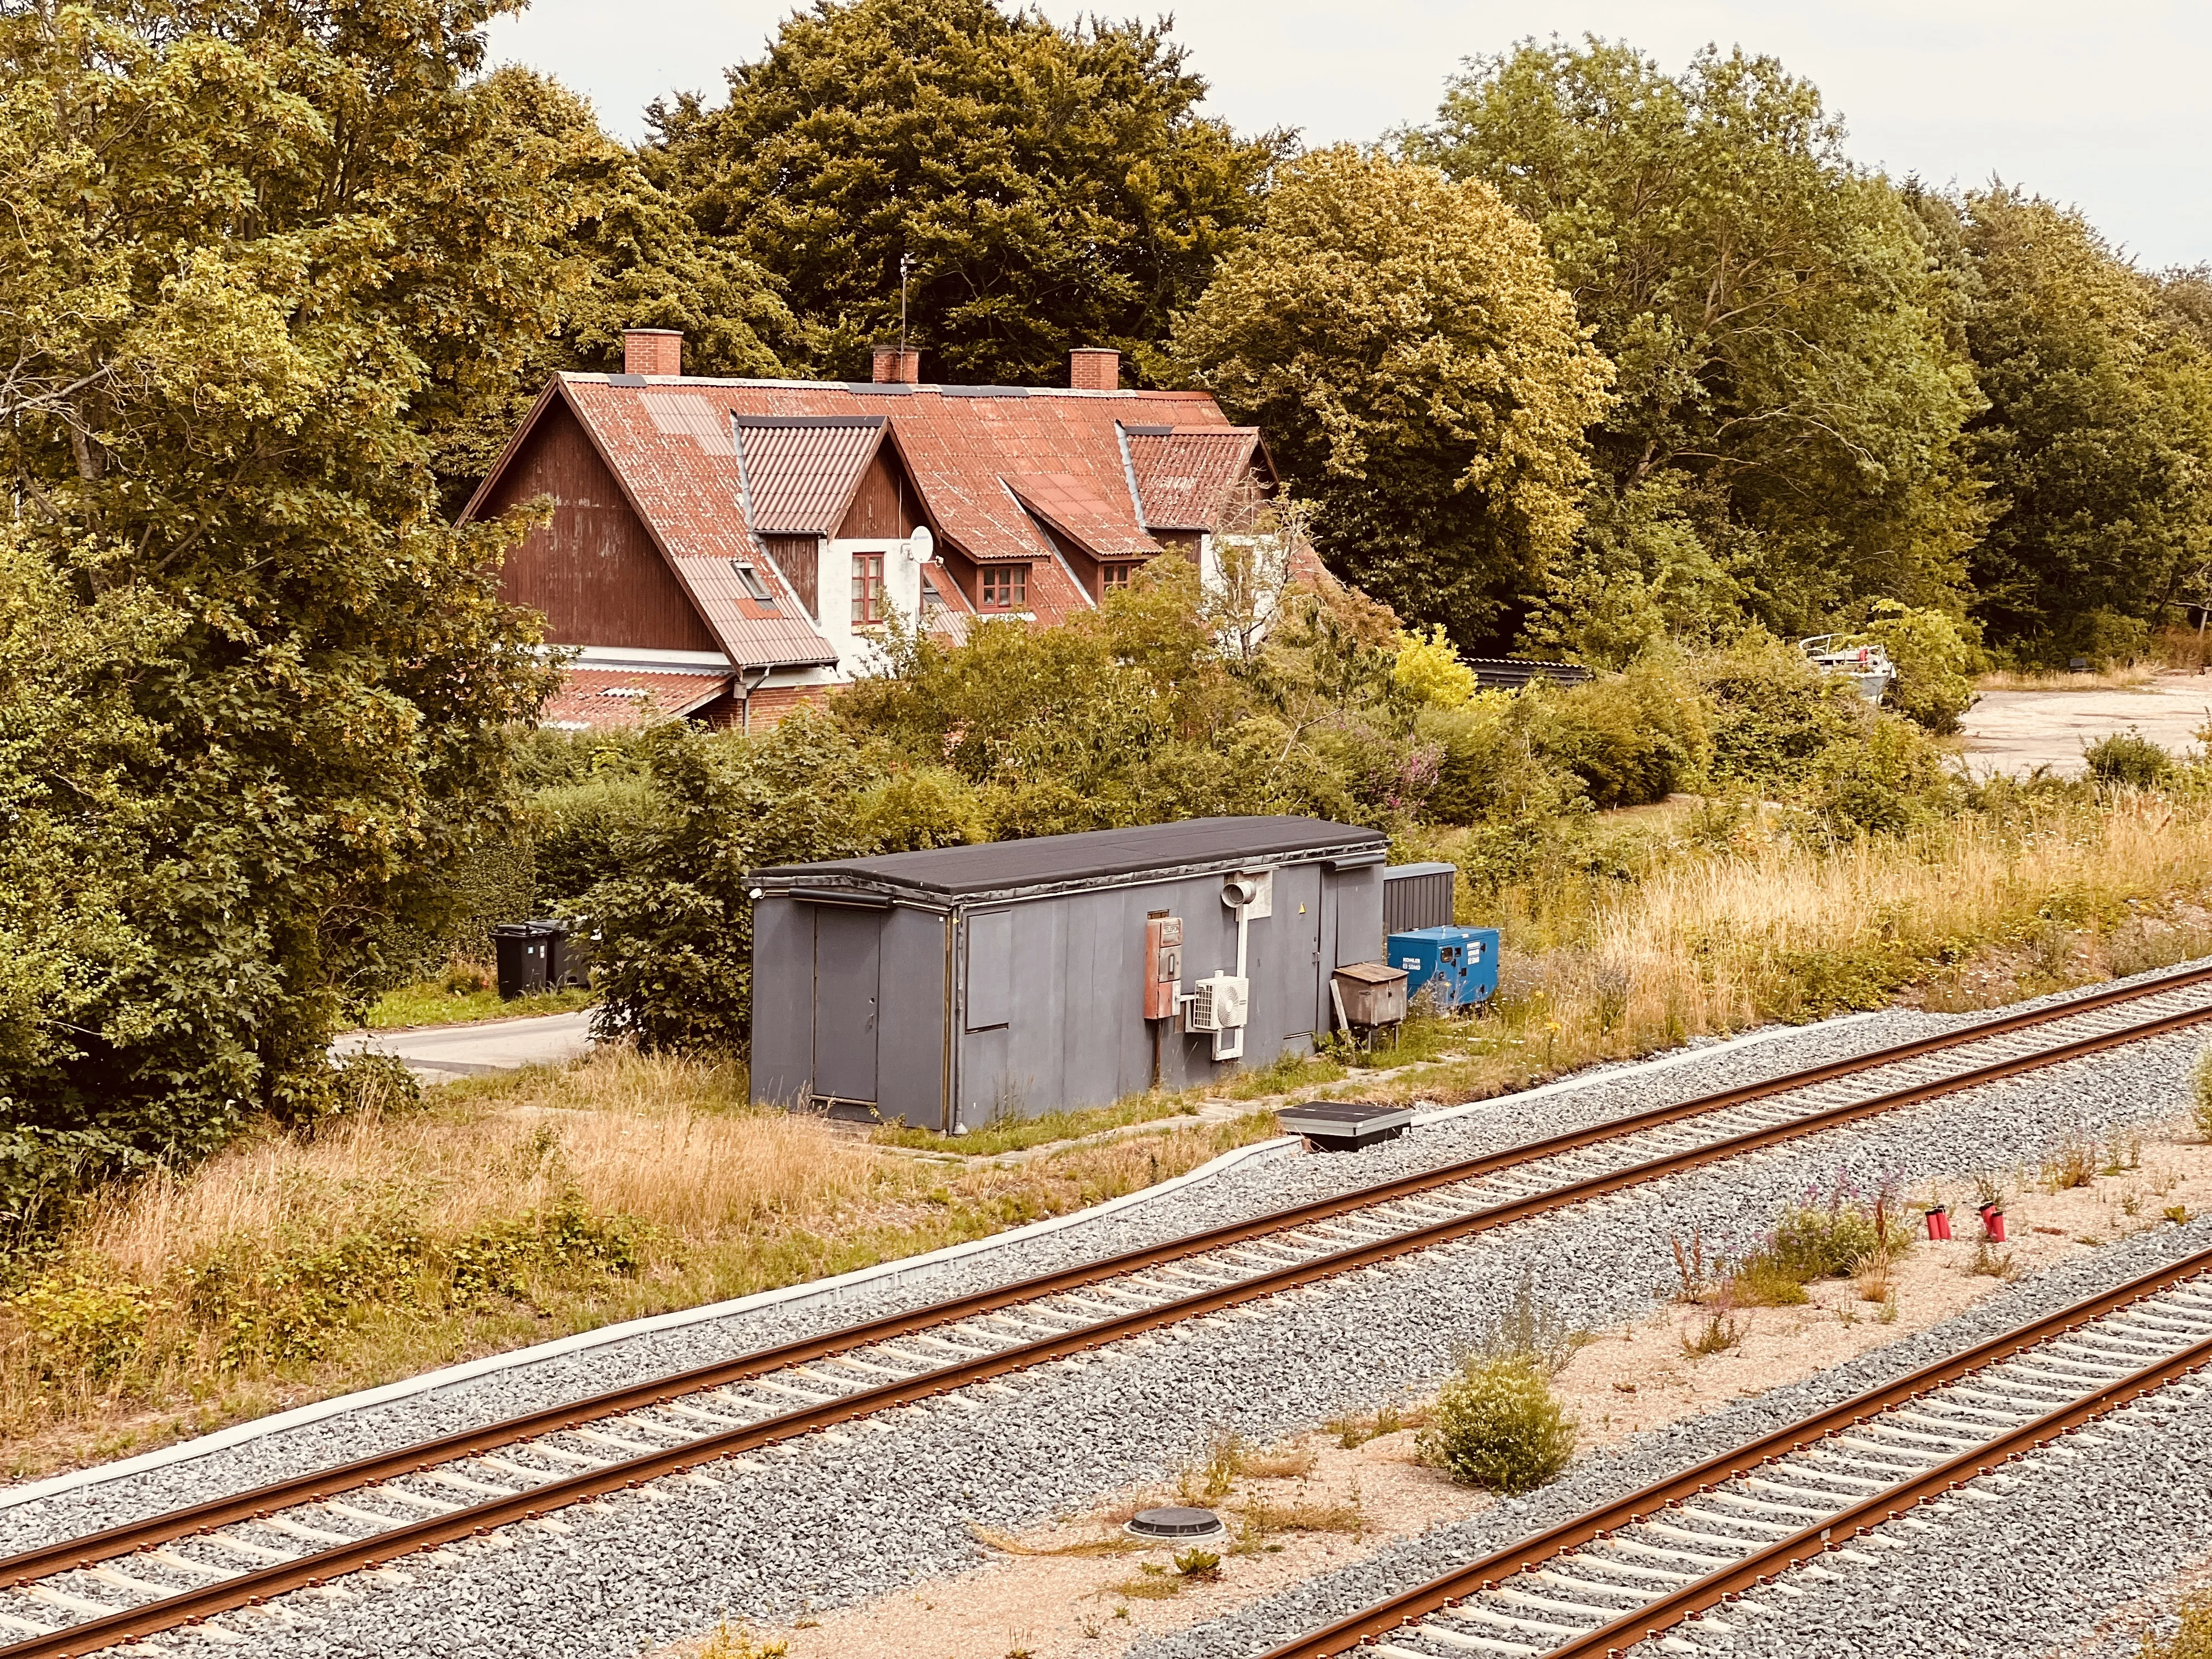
{"x": 1184, "y": 475}
{"x": 622, "y": 697}
{"x": 1096, "y": 856}
{"x": 800, "y": 473}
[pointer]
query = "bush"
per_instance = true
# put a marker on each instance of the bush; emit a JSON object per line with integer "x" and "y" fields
{"x": 1889, "y": 780}
{"x": 1933, "y": 660}
{"x": 1773, "y": 714}
{"x": 1631, "y": 739}
{"x": 1497, "y": 1426}
{"x": 585, "y": 830}
{"x": 1828, "y": 1240}
{"x": 2128, "y": 757}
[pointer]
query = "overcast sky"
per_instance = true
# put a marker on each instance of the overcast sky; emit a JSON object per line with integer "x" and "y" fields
{"x": 2105, "y": 103}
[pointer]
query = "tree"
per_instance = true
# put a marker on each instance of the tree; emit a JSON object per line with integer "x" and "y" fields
{"x": 1046, "y": 187}
{"x": 1791, "y": 379}
{"x": 2098, "y": 439}
{"x": 623, "y": 253}
{"x": 1419, "y": 375}
{"x": 246, "y": 248}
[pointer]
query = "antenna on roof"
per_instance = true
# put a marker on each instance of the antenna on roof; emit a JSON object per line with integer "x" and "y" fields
{"x": 905, "y": 259}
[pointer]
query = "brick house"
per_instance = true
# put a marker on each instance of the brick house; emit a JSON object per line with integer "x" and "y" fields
{"x": 724, "y": 549}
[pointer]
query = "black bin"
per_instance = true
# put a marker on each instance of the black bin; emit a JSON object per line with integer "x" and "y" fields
{"x": 526, "y": 953}
{"x": 568, "y": 959}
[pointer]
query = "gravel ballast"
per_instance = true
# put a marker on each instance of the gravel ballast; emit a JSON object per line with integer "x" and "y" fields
{"x": 858, "y": 1511}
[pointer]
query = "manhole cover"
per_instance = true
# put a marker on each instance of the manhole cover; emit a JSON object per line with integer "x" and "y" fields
{"x": 1177, "y": 1523}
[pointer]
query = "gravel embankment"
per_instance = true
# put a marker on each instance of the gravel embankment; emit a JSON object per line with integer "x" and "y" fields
{"x": 856, "y": 1513}
{"x": 1270, "y": 1185}
{"x": 2075, "y": 1541}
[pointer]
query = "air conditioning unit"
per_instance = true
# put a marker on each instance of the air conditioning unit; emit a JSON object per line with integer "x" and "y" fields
{"x": 1220, "y": 1003}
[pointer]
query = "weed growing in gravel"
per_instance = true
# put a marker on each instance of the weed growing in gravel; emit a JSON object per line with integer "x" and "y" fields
{"x": 2193, "y": 1640}
{"x": 2073, "y": 1165}
{"x": 1208, "y": 1481}
{"x": 1527, "y": 1329}
{"x": 2177, "y": 1213}
{"x": 1690, "y": 1267}
{"x": 1718, "y": 1334}
{"x": 1262, "y": 1519}
{"x": 1992, "y": 1265}
{"x": 739, "y": 1644}
{"x": 1007, "y": 1544}
{"x": 1818, "y": 1239}
{"x": 1354, "y": 1430}
{"x": 1153, "y": 1582}
{"x": 1498, "y": 1425}
{"x": 1763, "y": 1282}
{"x": 1202, "y": 1566}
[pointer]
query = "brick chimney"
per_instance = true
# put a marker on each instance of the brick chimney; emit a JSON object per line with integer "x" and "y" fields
{"x": 1094, "y": 368}
{"x": 897, "y": 365}
{"x": 652, "y": 351}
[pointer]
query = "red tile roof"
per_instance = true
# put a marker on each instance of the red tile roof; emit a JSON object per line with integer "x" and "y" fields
{"x": 984, "y": 459}
{"x": 800, "y": 471}
{"x": 625, "y": 697}
{"x": 1072, "y": 506}
{"x": 1184, "y": 475}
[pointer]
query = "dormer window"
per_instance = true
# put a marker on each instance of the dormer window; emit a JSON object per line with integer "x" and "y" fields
{"x": 749, "y": 578}
{"x": 1004, "y": 587}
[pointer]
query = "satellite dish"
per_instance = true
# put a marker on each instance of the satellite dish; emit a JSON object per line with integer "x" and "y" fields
{"x": 923, "y": 543}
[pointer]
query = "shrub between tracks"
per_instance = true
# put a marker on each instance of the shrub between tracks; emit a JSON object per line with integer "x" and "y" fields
{"x": 1497, "y": 1426}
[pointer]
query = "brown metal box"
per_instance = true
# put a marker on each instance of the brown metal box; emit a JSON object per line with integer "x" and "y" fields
{"x": 1371, "y": 992}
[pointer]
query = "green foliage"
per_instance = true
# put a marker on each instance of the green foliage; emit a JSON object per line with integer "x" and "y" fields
{"x": 1934, "y": 664}
{"x": 1817, "y": 1240}
{"x": 2096, "y": 439}
{"x": 1886, "y": 779}
{"x": 628, "y": 255}
{"x": 2128, "y": 757}
{"x": 283, "y": 1307}
{"x": 1631, "y": 739}
{"x": 1051, "y": 186}
{"x": 1421, "y": 376}
{"x": 1428, "y": 669}
{"x": 85, "y": 1326}
{"x": 1497, "y": 1426}
{"x": 1773, "y": 714}
{"x": 583, "y": 832}
{"x": 1790, "y": 382}
{"x": 248, "y": 262}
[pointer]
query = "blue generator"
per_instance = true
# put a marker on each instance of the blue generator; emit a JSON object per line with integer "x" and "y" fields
{"x": 1461, "y": 963}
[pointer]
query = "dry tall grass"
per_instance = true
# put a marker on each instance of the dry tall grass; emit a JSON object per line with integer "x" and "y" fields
{"x": 512, "y": 1210}
{"x": 1766, "y": 925}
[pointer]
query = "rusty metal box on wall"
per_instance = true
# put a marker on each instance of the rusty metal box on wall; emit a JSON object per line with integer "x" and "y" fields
{"x": 946, "y": 988}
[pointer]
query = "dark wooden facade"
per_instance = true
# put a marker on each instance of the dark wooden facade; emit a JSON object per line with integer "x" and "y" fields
{"x": 594, "y": 570}
{"x": 885, "y": 506}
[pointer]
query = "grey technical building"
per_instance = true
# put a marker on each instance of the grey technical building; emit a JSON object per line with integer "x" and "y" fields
{"x": 946, "y": 988}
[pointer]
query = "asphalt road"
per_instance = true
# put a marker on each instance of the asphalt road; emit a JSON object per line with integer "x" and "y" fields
{"x": 2017, "y": 731}
{"x": 437, "y": 1054}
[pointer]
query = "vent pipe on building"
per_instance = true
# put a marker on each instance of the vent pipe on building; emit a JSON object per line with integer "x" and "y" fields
{"x": 897, "y": 366}
{"x": 652, "y": 351}
{"x": 1094, "y": 368}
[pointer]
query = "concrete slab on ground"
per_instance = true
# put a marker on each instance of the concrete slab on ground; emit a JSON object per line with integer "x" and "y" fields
{"x": 438, "y": 1054}
{"x": 2017, "y": 731}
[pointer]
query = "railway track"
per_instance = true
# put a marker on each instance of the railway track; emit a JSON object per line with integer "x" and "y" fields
{"x": 82, "y": 1595}
{"x": 1704, "y": 1551}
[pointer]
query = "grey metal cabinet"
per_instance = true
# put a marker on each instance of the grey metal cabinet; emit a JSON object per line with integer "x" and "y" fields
{"x": 947, "y": 988}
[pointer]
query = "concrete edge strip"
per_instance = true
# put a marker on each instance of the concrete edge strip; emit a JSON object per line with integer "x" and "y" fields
{"x": 822, "y": 1290}
{"x": 1664, "y": 1063}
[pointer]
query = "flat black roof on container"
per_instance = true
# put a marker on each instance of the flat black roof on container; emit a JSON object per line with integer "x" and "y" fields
{"x": 1095, "y": 857}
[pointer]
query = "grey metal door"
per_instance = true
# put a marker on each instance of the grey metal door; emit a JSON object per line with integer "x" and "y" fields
{"x": 848, "y": 981}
